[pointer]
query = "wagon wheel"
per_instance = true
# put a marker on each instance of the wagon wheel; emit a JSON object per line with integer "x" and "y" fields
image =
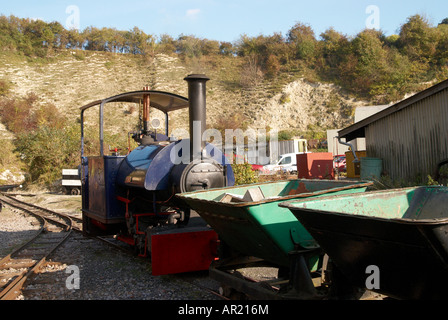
{"x": 231, "y": 293}
{"x": 75, "y": 192}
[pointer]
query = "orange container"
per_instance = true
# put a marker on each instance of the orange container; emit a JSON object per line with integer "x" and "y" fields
{"x": 317, "y": 165}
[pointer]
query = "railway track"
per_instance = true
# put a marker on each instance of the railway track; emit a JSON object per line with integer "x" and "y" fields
{"x": 55, "y": 228}
{"x": 23, "y": 262}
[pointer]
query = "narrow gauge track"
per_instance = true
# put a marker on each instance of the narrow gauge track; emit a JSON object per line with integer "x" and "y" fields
{"x": 23, "y": 262}
{"x": 76, "y": 221}
{"x": 55, "y": 229}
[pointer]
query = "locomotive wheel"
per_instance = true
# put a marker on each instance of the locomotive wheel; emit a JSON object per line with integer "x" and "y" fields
{"x": 186, "y": 215}
{"x": 140, "y": 246}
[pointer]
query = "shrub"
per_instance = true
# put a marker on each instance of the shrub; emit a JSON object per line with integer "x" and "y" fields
{"x": 46, "y": 151}
{"x": 244, "y": 174}
{"x": 5, "y": 86}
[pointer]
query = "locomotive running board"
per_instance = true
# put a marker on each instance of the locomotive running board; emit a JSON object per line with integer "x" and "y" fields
{"x": 182, "y": 250}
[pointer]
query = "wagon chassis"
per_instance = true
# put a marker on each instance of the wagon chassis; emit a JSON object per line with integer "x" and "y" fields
{"x": 296, "y": 284}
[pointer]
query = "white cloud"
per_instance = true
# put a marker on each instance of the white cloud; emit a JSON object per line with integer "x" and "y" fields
{"x": 192, "y": 13}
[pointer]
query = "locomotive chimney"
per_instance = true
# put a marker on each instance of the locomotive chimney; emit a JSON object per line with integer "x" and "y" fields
{"x": 146, "y": 106}
{"x": 196, "y": 98}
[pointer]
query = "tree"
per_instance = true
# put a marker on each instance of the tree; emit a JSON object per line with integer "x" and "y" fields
{"x": 40, "y": 37}
{"x": 418, "y": 39}
{"x": 302, "y": 38}
{"x": 226, "y": 48}
{"x": 139, "y": 42}
{"x": 334, "y": 50}
{"x": 368, "y": 48}
{"x": 210, "y": 47}
{"x": 94, "y": 39}
{"x": 441, "y": 55}
{"x": 166, "y": 44}
{"x": 244, "y": 174}
{"x": 246, "y": 46}
{"x": 189, "y": 46}
{"x": 9, "y": 35}
{"x": 263, "y": 54}
{"x": 60, "y": 35}
{"x": 75, "y": 40}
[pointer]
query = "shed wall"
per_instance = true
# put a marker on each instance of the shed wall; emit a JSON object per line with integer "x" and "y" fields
{"x": 412, "y": 141}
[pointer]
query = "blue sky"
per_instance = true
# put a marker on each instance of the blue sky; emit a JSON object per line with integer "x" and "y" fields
{"x": 227, "y": 20}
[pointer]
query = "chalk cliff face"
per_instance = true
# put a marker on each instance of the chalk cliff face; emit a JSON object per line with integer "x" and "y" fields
{"x": 71, "y": 79}
{"x": 301, "y": 104}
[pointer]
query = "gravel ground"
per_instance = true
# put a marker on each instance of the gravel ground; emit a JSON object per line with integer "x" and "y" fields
{"x": 105, "y": 273}
{"x": 15, "y": 229}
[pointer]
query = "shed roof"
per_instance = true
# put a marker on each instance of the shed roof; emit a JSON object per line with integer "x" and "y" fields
{"x": 357, "y": 130}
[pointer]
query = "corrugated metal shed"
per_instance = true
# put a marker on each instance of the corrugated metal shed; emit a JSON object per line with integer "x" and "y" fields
{"x": 411, "y": 136}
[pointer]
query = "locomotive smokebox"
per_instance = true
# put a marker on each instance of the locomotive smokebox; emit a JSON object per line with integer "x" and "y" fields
{"x": 197, "y": 113}
{"x": 203, "y": 172}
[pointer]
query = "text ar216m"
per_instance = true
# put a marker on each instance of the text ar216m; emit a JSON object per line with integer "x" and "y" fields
{"x": 226, "y": 310}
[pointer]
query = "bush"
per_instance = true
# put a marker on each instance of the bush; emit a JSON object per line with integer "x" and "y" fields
{"x": 46, "y": 151}
{"x": 9, "y": 158}
{"x": 44, "y": 143}
{"x": 244, "y": 174}
{"x": 5, "y": 86}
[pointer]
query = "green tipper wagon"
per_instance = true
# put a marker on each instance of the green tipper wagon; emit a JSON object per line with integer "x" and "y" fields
{"x": 249, "y": 221}
{"x": 402, "y": 233}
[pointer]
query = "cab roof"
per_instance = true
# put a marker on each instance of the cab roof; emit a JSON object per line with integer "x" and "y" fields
{"x": 163, "y": 101}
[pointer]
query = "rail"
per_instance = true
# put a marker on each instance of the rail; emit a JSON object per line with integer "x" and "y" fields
{"x": 55, "y": 228}
{"x": 23, "y": 262}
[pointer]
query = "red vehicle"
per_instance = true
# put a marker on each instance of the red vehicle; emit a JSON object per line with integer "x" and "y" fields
{"x": 339, "y": 162}
{"x": 257, "y": 167}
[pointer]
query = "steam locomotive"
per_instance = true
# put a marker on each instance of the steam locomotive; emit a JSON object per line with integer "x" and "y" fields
{"x": 132, "y": 196}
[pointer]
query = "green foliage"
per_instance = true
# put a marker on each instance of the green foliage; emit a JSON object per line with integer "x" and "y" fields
{"x": 43, "y": 141}
{"x": 285, "y": 135}
{"x": 314, "y": 132}
{"x": 368, "y": 65}
{"x": 418, "y": 39}
{"x": 9, "y": 158}
{"x": 431, "y": 182}
{"x": 334, "y": 50}
{"x": 303, "y": 41}
{"x": 244, "y": 174}
{"x": 46, "y": 151}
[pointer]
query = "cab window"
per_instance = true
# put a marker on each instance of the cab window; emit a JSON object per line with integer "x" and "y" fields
{"x": 286, "y": 160}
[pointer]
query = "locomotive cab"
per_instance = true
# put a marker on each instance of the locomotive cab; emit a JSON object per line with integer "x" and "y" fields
{"x": 132, "y": 196}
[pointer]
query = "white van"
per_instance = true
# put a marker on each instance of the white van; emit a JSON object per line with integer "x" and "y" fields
{"x": 286, "y": 163}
